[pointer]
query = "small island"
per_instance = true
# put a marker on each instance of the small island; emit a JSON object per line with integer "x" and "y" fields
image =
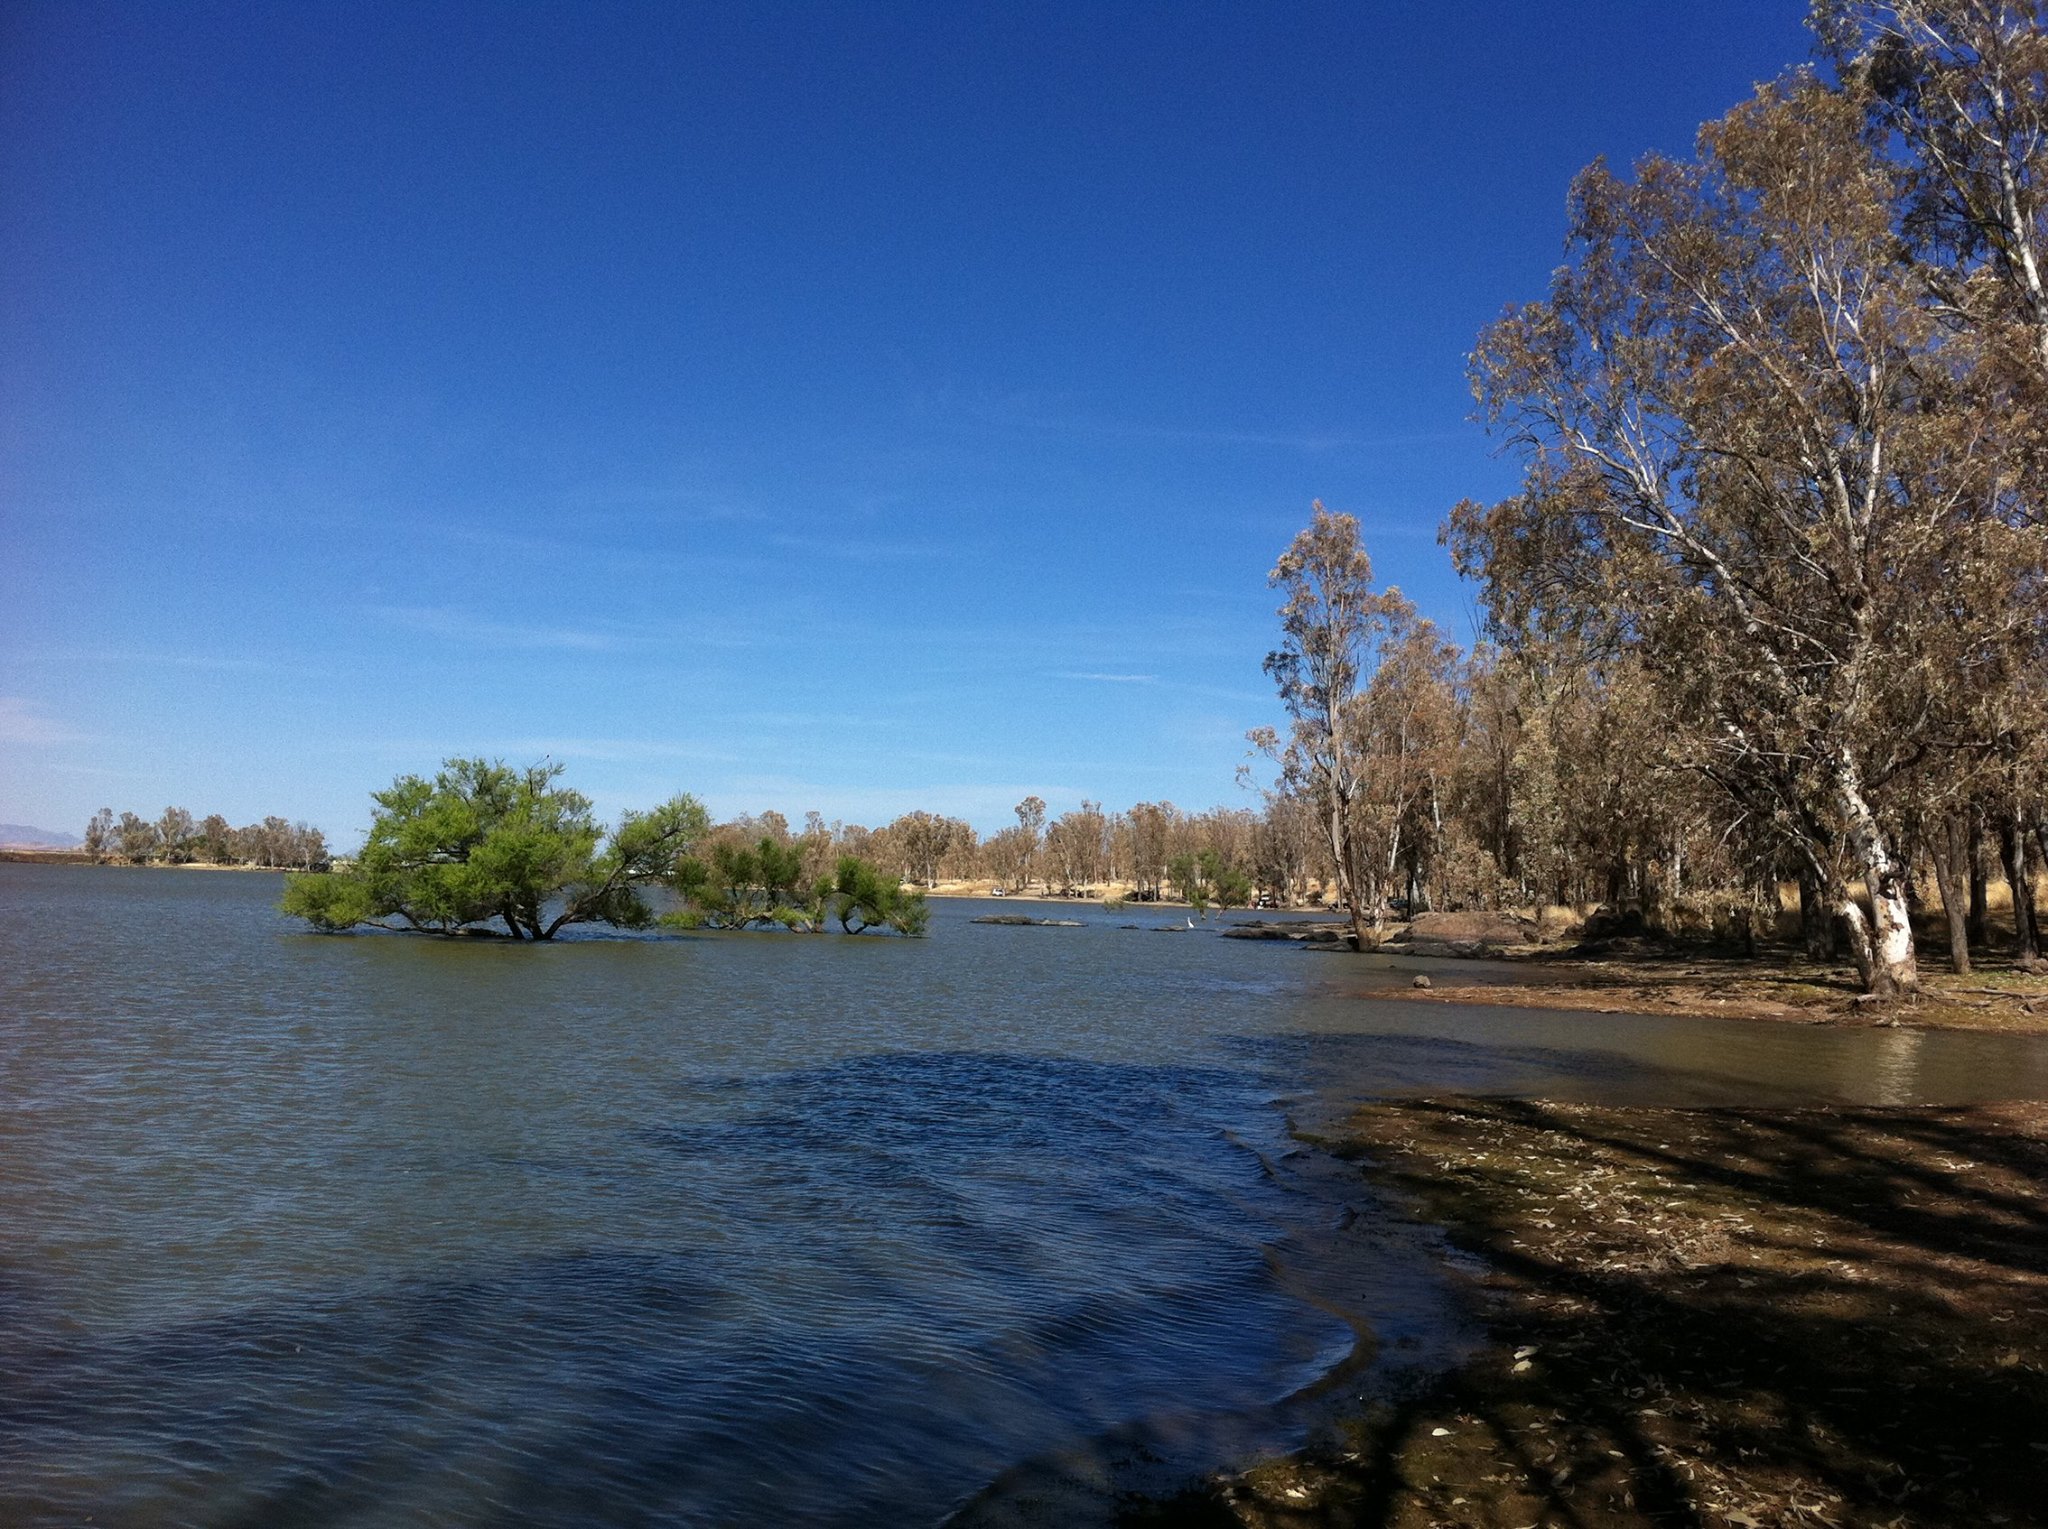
{"x": 485, "y": 850}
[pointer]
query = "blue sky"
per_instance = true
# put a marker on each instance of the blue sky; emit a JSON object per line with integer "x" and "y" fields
{"x": 856, "y": 406}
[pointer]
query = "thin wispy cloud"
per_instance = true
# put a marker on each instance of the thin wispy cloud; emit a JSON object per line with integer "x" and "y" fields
{"x": 525, "y": 750}
{"x": 1285, "y": 440}
{"x": 662, "y": 638}
{"x": 1033, "y": 415}
{"x": 855, "y": 550}
{"x": 445, "y": 621}
{"x": 613, "y": 750}
{"x": 97, "y": 772}
{"x": 1250, "y": 698}
{"x": 1260, "y": 698}
{"x": 639, "y": 502}
{"x": 24, "y": 721}
{"x": 810, "y": 721}
{"x": 172, "y": 658}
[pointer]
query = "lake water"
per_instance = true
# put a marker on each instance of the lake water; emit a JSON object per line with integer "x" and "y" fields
{"x": 729, "y": 1230}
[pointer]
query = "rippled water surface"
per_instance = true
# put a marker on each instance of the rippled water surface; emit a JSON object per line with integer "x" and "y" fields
{"x": 724, "y": 1230}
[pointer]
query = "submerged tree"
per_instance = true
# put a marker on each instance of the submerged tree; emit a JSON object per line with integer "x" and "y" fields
{"x": 866, "y": 897}
{"x": 733, "y": 886}
{"x": 482, "y": 842}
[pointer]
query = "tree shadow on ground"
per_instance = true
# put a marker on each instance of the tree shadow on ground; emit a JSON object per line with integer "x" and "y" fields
{"x": 1703, "y": 1317}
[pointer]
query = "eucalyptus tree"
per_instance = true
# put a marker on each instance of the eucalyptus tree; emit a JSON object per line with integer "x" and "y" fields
{"x": 1406, "y": 734}
{"x": 212, "y": 839}
{"x": 1743, "y": 460}
{"x": 1031, "y": 829}
{"x": 819, "y": 844}
{"x": 1285, "y": 846}
{"x": 1962, "y": 88}
{"x": 175, "y": 832}
{"x": 1148, "y": 829}
{"x": 923, "y": 840}
{"x": 1077, "y": 843}
{"x": 135, "y": 837}
{"x": 1006, "y": 856}
{"x": 1334, "y": 625}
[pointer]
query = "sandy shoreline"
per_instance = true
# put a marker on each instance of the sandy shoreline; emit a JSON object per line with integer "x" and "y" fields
{"x": 1785, "y": 992}
{"x": 1098, "y": 897}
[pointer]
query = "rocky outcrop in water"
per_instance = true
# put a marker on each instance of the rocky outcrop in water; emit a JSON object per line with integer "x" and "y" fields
{"x": 1296, "y": 931}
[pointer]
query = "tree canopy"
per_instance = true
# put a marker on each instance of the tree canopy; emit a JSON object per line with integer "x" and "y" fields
{"x": 483, "y": 842}
{"x": 1774, "y": 443}
{"x": 736, "y": 886}
{"x": 1338, "y": 631}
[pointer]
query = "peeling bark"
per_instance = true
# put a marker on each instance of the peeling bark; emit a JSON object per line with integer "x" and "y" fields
{"x": 1862, "y": 949}
{"x": 1889, "y": 934}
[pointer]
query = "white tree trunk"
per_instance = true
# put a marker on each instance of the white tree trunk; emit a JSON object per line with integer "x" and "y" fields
{"x": 1892, "y": 966}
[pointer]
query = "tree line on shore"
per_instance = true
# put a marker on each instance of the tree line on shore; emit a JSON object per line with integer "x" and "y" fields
{"x": 1150, "y": 851}
{"x": 177, "y": 838}
{"x": 1769, "y": 603}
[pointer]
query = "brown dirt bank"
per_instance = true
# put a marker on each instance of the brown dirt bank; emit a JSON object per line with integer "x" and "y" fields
{"x": 1709, "y": 987}
{"x": 1705, "y": 1317}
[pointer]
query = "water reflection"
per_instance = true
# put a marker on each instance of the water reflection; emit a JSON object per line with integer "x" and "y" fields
{"x": 1896, "y": 1067}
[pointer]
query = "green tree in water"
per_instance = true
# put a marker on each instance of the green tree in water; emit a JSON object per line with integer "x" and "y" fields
{"x": 735, "y": 887}
{"x": 482, "y": 841}
{"x": 863, "y": 897}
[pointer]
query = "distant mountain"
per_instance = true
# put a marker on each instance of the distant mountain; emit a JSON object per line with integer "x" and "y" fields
{"x": 21, "y": 836}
